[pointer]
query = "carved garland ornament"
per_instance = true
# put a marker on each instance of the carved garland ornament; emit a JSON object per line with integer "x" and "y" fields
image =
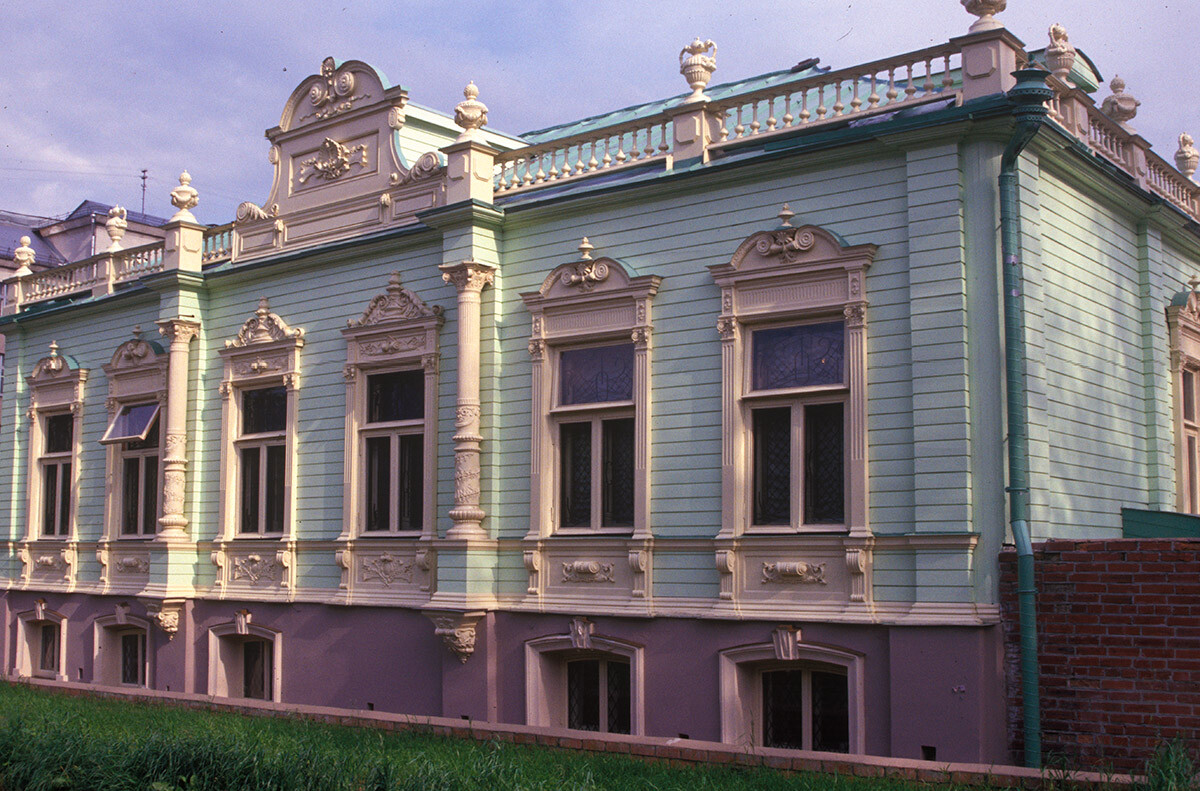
{"x": 387, "y": 570}
{"x": 332, "y": 161}
{"x": 794, "y": 572}
{"x": 255, "y": 568}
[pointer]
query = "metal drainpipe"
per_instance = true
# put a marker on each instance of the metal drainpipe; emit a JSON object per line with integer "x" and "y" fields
{"x": 1027, "y": 97}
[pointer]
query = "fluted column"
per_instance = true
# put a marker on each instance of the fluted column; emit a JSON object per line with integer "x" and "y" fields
{"x": 180, "y": 332}
{"x": 470, "y": 278}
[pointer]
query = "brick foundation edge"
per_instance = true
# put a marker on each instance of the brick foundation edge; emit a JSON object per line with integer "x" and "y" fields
{"x": 669, "y": 750}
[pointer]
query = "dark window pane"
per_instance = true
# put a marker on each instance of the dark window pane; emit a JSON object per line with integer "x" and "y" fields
{"x": 618, "y": 697}
{"x": 379, "y": 488}
{"x": 583, "y": 694}
{"x": 824, "y": 480}
{"x": 275, "y": 454}
{"x": 250, "y": 470}
{"x": 49, "y": 499}
{"x": 48, "y": 658}
{"x": 64, "y": 498}
{"x": 783, "y": 708}
{"x": 410, "y": 483}
{"x": 1189, "y": 396}
{"x": 264, "y": 410}
{"x": 399, "y": 395}
{"x": 131, "y": 423}
{"x": 132, "y": 653}
{"x": 130, "y": 476}
{"x": 149, "y": 494}
{"x": 830, "y": 712}
{"x": 773, "y": 466}
{"x": 617, "y": 489}
{"x": 801, "y": 356}
{"x": 575, "y": 446}
{"x": 597, "y": 373}
{"x": 256, "y": 669}
{"x": 59, "y": 432}
{"x": 149, "y": 443}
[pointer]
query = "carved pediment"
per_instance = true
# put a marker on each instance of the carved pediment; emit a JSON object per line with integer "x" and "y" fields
{"x": 264, "y": 327}
{"x": 135, "y": 353}
{"x": 787, "y": 245}
{"x": 337, "y": 89}
{"x": 395, "y": 304}
{"x": 1185, "y": 305}
{"x": 54, "y": 366}
{"x": 591, "y": 277}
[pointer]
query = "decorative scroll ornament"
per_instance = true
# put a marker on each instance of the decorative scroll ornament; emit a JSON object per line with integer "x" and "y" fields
{"x": 581, "y": 630}
{"x": 470, "y": 114}
{"x": 50, "y": 562}
{"x": 1187, "y": 157}
{"x": 133, "y": 565}
{"x": 395, "y": 304}
{"x": 185, "y": 198}
{"x": 794, "y": 572}
{"x": 427, "y": 166}
{"x": 387, "y": 570}
{"x": 586, "y": 273}
{"x": 788, "y": 243}
{"x": 255, "y": 568}
{"x": 335, "y": 94}
{"x": 116, "y": 227}
{"x": 458, "y": 635}
{"x": 986, "y": 11}
{"x": 248, "y": 211}
{"x": 332, "y": 161}
{"x": 24, "y": 257}
{"x": 50, "y": 366}
{"x": 264, "y": 327}
{"x": 1120, "y": 106}
{"x": 1060, "y": 55}
{"x": 587, "y": 571}
{"x": 698, "y": 66}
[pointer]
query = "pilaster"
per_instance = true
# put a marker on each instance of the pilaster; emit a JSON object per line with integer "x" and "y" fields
{"x": 1156, "y": 371}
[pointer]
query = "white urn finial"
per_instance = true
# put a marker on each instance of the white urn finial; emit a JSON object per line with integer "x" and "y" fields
{"x": 184, "y": 197}
{"x": 1060, "y": 55}
{"x": 24, "y": 257}
{"x": 1187, "y": 157}
{"x": 116, "y": 227}
{"x": 785, "y": 216}
{"x": 697, "y": 67}
{"x": 986, "y": 10}
{"x": 471, "y": 114}
{"x": 1120, "y": 106}
{"x": 585, "y": 250}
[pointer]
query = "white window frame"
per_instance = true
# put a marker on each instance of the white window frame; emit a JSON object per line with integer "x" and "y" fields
{"x": 265, "y": 354}
{"x": 136, "y": 374}
{"x": 107, "y": 631}
{"x": 56, "y": 387}
{"x": 546, "y": 673}
{"x": 29, "y": 641}
{"x": 225, "y": 656}
{"x": 397, "y": 332}
{"x": 260, "y": 443}
{"x": 589, "y": 302}
{"x": 1183, "y": 323}
{"x": 787, "y": 277}
{"x": 740, "y": 672}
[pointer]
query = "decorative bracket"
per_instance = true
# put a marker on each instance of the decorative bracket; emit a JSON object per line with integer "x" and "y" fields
{"x": 457, "y": 630}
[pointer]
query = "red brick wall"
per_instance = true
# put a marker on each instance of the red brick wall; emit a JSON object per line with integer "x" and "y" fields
{"x": 1118, "y": 644}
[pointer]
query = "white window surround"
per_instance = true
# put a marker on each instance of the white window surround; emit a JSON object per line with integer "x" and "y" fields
{"x": 546, "y": 675}
{"x": 397, "y": 332}
{"x": 1183, "y": 323}
{"x": 265, "y": 353}
{"x": 225, "y": 656}
{"x": 137, "y": 374}
{"x": 740, "y": 681}
{"x": 107, "y": 631}
{"x": 786, "y": 277}
{"x": 56, "y": 386}
{"x": 29, "y": 636}
{"x": 589, "y": 302}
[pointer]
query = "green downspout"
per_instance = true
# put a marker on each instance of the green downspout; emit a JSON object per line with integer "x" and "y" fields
{"x": 1027, "y": 98}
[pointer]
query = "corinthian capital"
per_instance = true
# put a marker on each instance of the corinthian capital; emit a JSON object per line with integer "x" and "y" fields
{"x": 469, "y": 275}
{"x": 181, "y": 330}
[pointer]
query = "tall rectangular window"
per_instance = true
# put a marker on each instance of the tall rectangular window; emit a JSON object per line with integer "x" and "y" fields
{"x": 135, "y": 432}
{"x": 262, "y": 454}
{"x": 796, "y": 417}
{"x": 133, "y": 658}
{"x": 49, "y": 649}
{"x": 55, "y": 464}
{"x": 257, "y": 669}
{"x": 394, "y": 448}
{"x": 1191, "y": 441}
{"x": 596, "y": 430}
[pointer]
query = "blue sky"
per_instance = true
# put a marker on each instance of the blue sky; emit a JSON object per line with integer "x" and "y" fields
{"x": 93, "y": 98}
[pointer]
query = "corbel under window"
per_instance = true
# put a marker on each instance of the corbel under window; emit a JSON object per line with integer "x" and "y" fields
{"x": 56, "y": 419}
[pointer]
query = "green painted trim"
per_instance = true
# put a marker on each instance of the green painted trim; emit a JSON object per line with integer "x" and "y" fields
{"x": 1143, "y": 523}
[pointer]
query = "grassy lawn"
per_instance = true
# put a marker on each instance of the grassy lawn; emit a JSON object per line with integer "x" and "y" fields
{"x": 50, "y": 741}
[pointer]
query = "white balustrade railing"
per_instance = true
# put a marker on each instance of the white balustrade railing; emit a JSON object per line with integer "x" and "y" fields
{"x": 62, "y": 280}
{"x": 218, "y": 243}
{"x": 586, "y": 154}
{"x": 1106, "y": 136}
{"x": 132, "y": 264}
{"x": 1172, "y": 185}
{"x": 880, "y": 86}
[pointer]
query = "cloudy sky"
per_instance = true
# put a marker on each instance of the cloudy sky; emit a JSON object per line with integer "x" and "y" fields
{"x": 92, "y": 98}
